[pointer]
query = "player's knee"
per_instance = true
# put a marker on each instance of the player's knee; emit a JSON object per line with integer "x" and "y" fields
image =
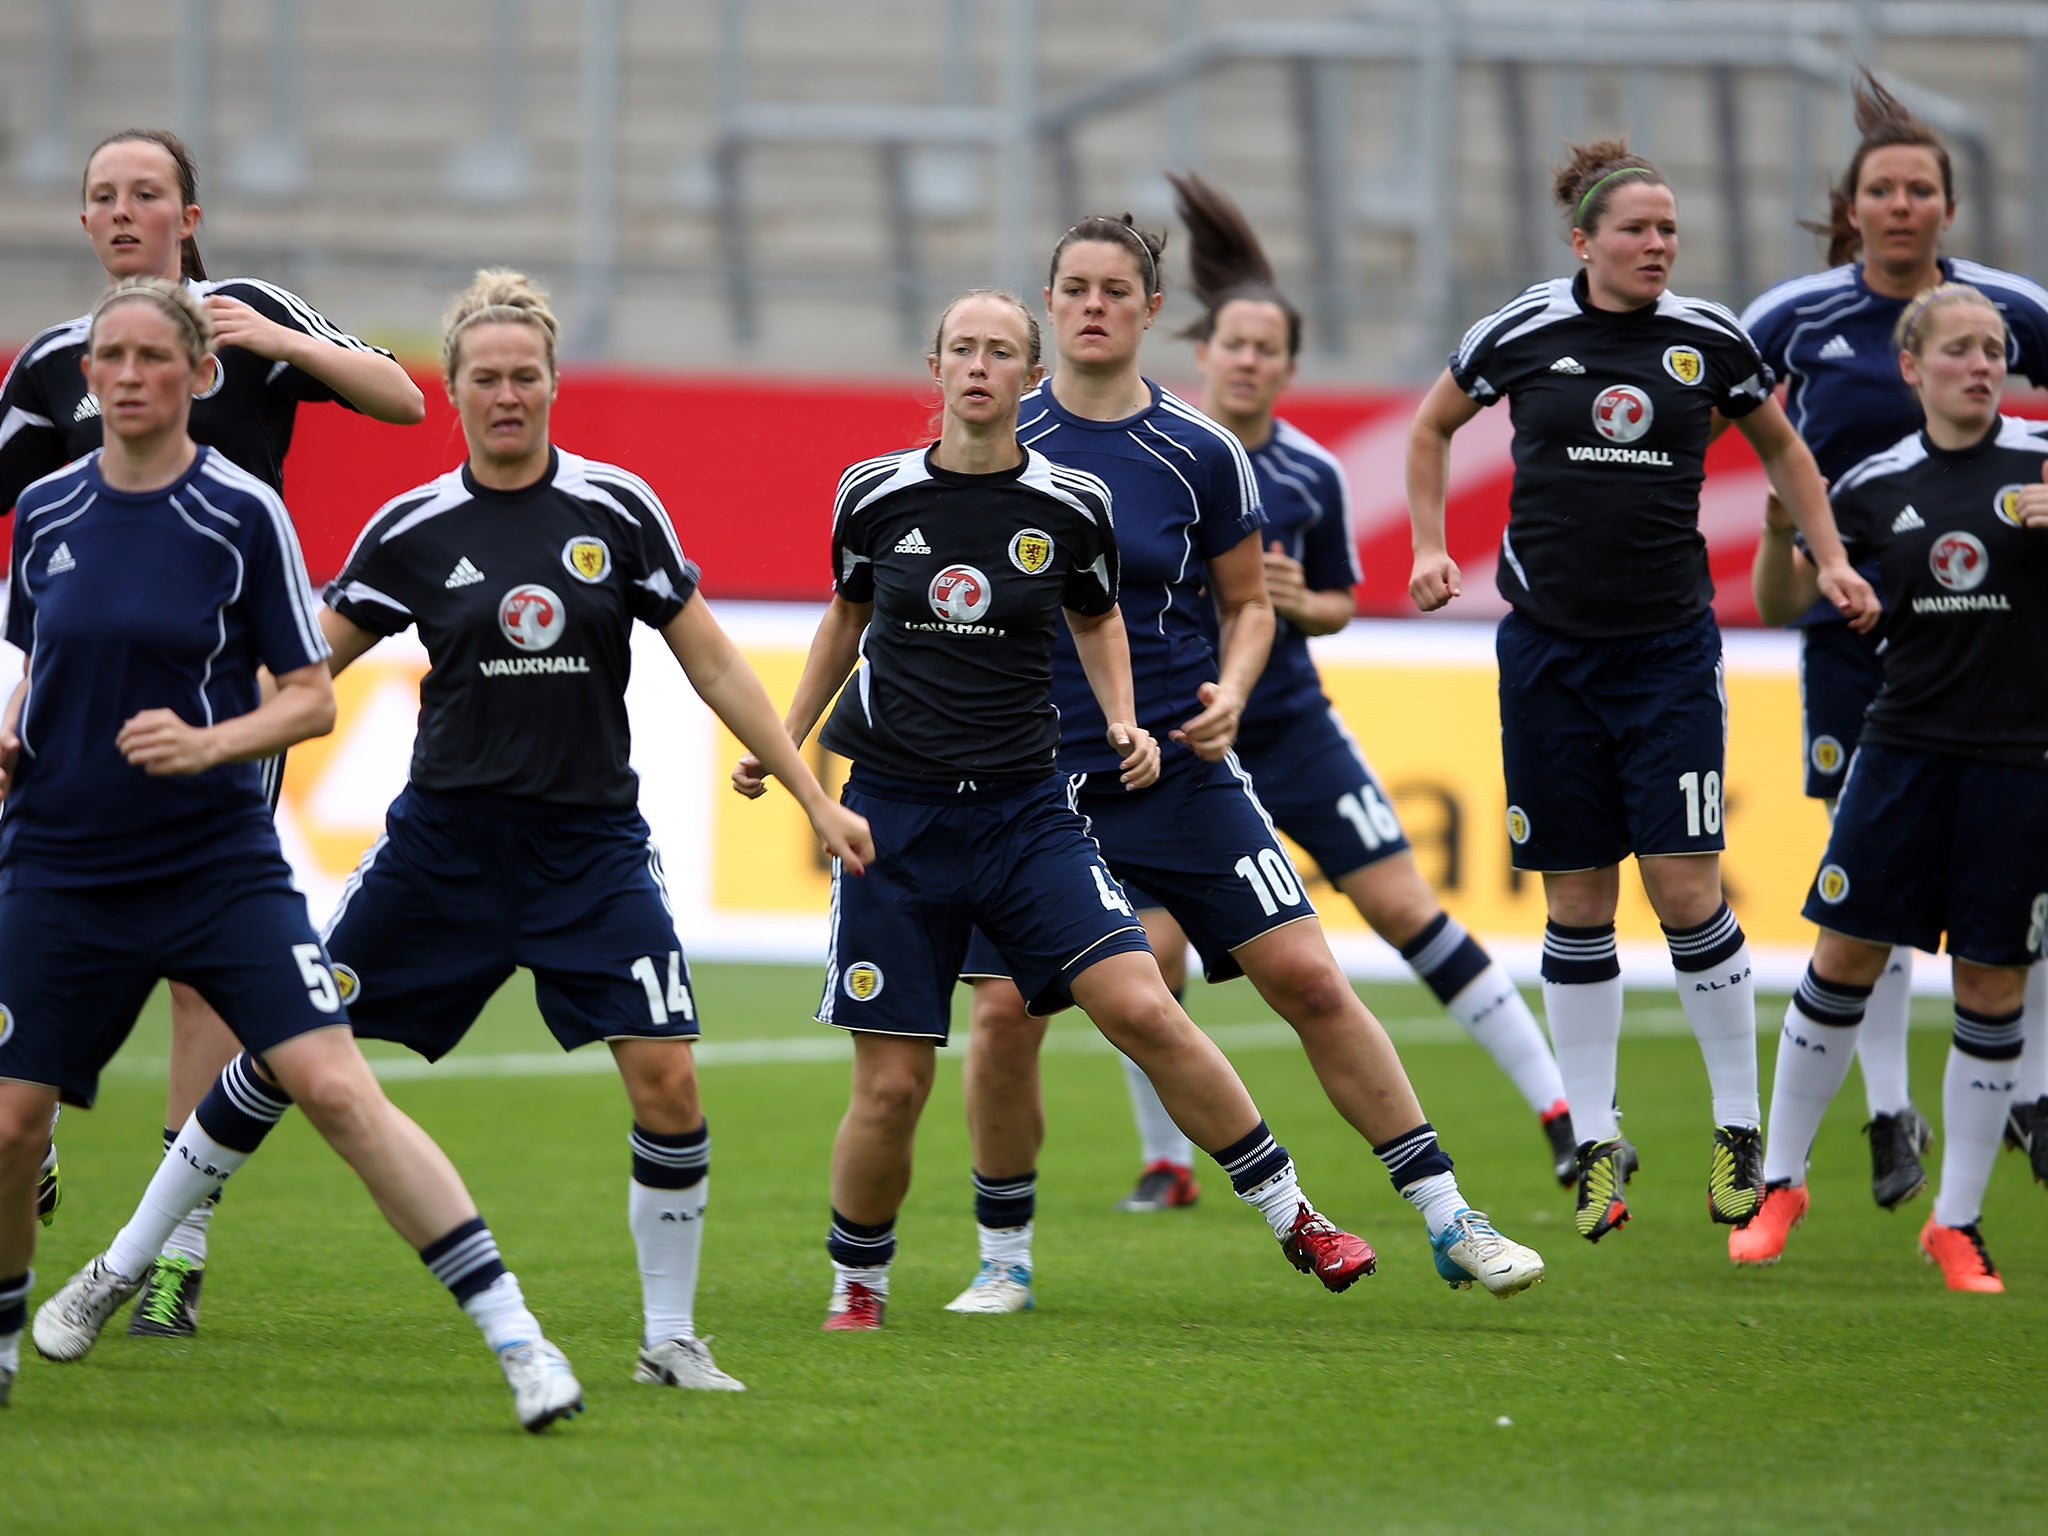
{"x": 24, "y": 1129}
{"x": 1309, "y": 987}
{"x": 339, "y": 1102}
{"x": 893, "y": 1091}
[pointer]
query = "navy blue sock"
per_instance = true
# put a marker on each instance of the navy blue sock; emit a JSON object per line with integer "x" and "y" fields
{"x": 1413, "y": 1155}
{"x": 1445, "y": 956}
{"x": 1839, "y": 1003}
{"x": 14, "y": 1303}
{"x": 859, "y": 1246}
{"x": 240, "y": 1108}
{"x": 466, "y": 1260}
{"x": 1988, "y": 1036}
{"x": 1005, "y": 1202}
{"x": 671, "y": 1162}
{"x": 1252, "y": 1159}
{"x": 1579, "y": 955}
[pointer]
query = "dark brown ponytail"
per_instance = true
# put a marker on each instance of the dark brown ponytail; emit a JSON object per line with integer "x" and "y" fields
{"x": 1225, "y": 260}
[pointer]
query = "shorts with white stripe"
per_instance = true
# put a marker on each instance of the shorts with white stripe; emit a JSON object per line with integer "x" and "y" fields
{"x": 464, "y": 888}
{"x": 1317, "y": 786}
{"x": 1200, "y": 845}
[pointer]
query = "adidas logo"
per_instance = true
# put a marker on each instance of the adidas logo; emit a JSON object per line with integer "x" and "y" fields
{"x": 464, "y": 575}
{"x": 1567, "y": 365}
{"x": 1837, "y": 346}
{"x": 88, "y": 408}
{"x": 1908, "y": 520}
{"x": 60, "y": 561}
{"x": 912, "y": 543}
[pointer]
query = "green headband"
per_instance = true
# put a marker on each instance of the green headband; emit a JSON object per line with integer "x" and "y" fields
{"x": 1579, "y": 218}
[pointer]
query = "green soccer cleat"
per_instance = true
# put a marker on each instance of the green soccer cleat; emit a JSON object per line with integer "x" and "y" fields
{"x": 168, "y": 1307}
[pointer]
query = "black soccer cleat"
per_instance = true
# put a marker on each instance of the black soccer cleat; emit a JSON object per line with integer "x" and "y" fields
{"x": 1897, "y": 1143}
{"x": 49, "y": 1193}
{"x": 1735, "y": 1174}
{"x": 1564, "y": 1145}
{"x": 168, "y": 1307}
{"x": 2026, "y": 1130}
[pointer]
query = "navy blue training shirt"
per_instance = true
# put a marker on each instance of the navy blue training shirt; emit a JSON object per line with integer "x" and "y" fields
{"x": 1308, "y": 511}
{"x": 1829, "y": 337}
{"x": 165, "y": 599}
{"x": 1184, "y": 493}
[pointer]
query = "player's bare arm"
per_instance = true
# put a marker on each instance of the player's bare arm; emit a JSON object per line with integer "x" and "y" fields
{"x": 1434, "y": 580}
{"x": 1312, "y": 610}
{"x": 1796, "y": 481}
{"x": 724, "y": 680}
{"x": 162, "y": 744}
{"x": 1244, "y": 616}
{"x": 1782, "y": 580}
{"x": 834, "y": 650}
{"x": 346, "y": 639}
{"x": 371, "y": 382}
{"x": 1105, "y": 652}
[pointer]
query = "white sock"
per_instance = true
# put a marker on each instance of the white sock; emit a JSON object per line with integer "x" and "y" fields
{"x": 10, "y": 1351}
{"x": 1495, "y": 1014}
{"x": 1976, "y": 1091}
{"x": 1157, "y": 1134}
{"x": 2033, "y": 1083}
{"x": 1279, "y": 1200}
{"x": 1005, "y": 1246}
{"x": 188, "y": 1238}
{"x": 499, "y": 1309}
{"x": 194, "y": 1168}
{"x": 1585, "y": 1026}
{"x": 1882, "y": 1049}
{"x": 1720, "y": 1004}
{"x": 874, "y": 1276}
{"x": 1819, "y": 1038}
{"x": 1437, "y": 1198}
{"x": 668, "y": 1238}
{"x": 50, "y": 1153}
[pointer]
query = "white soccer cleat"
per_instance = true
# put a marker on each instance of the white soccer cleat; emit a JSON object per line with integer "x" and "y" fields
{"x": 544, "y": 1389}
{"x": 684, "y": 1363}
{"x": 69, "y": 1323}
{"x": 1469, "y": 1251}
{"x": 995, "y": 1288}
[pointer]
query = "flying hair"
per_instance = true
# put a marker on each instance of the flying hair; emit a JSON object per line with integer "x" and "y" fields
{"x": 1585, "y": 184}
{"x": 496, "y": 294}
{"x": 189, "y": 264}
{"x": 1910, "y": 334}
{"x": 1881, "y": 122}
{"x": 1225, "y": 259}
{"x": 1124, "y": 231}
{"x": 172, "y": 299}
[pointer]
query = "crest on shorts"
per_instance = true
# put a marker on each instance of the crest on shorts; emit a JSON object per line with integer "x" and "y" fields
{"x": 2007, "y": 504}
{"x": 588, "y": 559}
{"x": 1518, "y": 825}
{"x": 346, "y": 982}
{"x": 6, "y": 1022}
{"x": 1684, "y": 364}
{"x": 1031, "y": 551}
{"x": 1833, "y": 884}
{"x": 1959, "y": 561}
{"x": 1621, "y": 413}
{"x": 1826, "y": 754}
{"x": 863, "y": 981}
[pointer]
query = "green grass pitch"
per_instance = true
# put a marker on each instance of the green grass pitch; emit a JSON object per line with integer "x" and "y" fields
{"x": 1177, "y": 1377}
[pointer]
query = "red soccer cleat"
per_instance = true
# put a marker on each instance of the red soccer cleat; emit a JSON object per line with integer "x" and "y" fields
{"x": 1960, "y": 1253}
{"x": 1162, "y": 1187}
{"x": 1315, "y": 1246}
{"x": 859, "y": 1311}
{"x": 1762, "y": 1239}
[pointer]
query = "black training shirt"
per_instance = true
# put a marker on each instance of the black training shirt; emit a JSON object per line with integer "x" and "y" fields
{"x": 525, "y": 601}
{"x": 1612, "y": 414}
{"x": 1965, "y": 592}
{"x": 968, "y": 574}
{"x": 47, "y": 417}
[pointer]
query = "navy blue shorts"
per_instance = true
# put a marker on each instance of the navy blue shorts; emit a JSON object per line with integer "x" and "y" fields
{"x": 77, "y": 965}
{"x": 1317, "y": 786}
{"x": 462, "y": 889}
{"x": 1198, "y": 843}
{"x": 1611, "y": 747}
{"x": 1839, "y": 674}
{"x": 1014, "y": 864}
{"x": 1925, "y": 844}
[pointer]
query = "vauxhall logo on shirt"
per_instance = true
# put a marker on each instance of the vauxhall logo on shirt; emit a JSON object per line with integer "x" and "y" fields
{"x": 1622, "y": 413}
{"x": 1960, "y": 562}
{"x": 532, "y": 618}
{"x": 960, "y": 595}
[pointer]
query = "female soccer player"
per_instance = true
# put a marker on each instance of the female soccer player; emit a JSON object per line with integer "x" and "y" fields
{"x": 1829, "y": 336}
{"x": 272, "y": 351}
{"x": 1310, "y": 774}
{"x": 150, "y": 580}
{"x": 1942, "y": 826}
{"x": 1189, "y": 526}
{"x": 954, "y": 567}
{"x": 517, "y": 841}
{"x": 1613, "y": 716}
